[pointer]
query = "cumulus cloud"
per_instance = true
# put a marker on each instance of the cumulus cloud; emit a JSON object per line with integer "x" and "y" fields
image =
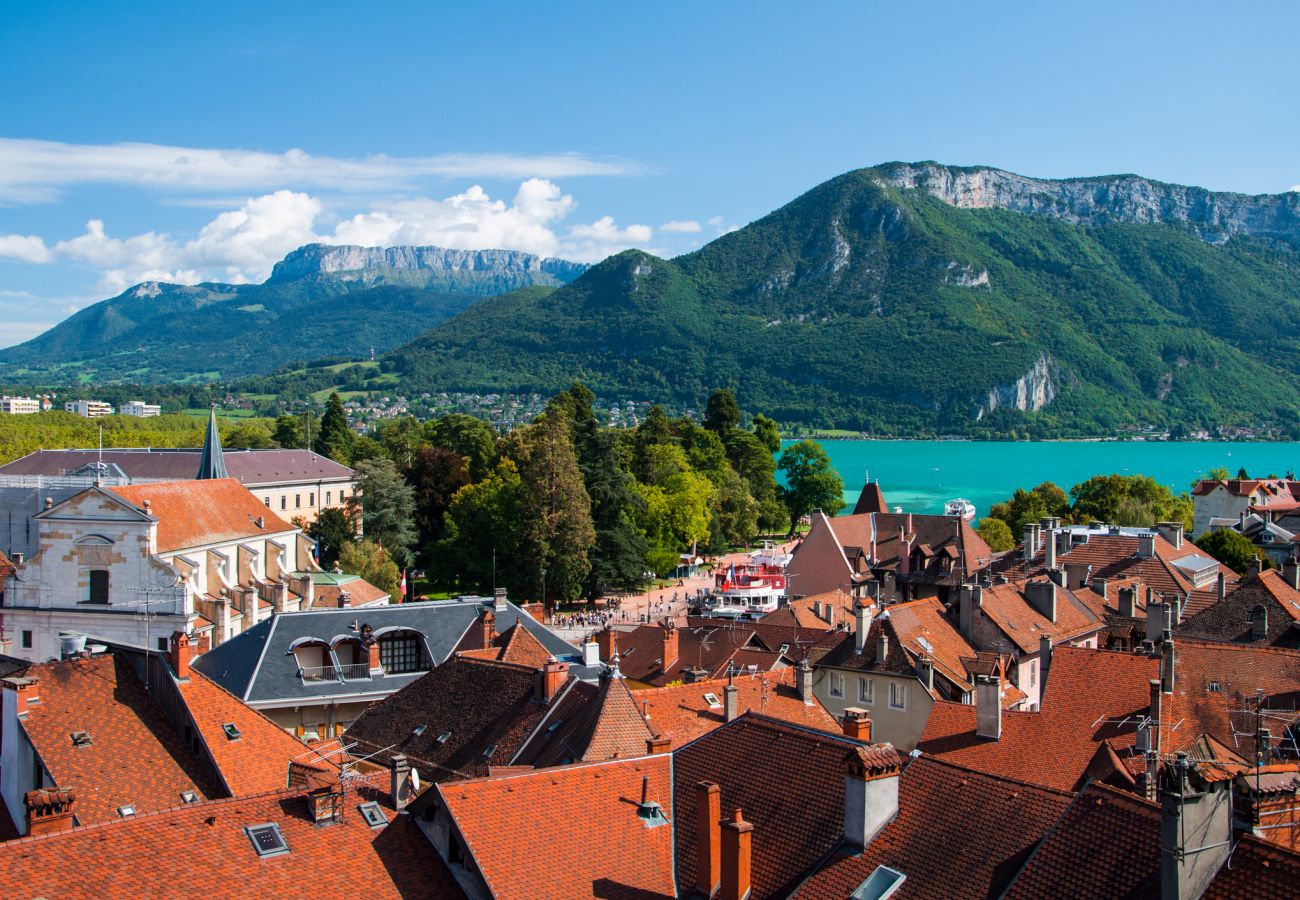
{"x": 681, "y": 227}
{"x": 36, "y": 171}
{"x": 24, "y": 248}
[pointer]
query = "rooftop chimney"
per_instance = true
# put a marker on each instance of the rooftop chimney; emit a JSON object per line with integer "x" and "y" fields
{"x": 882, "y": 645}
{"x": 1031, "y": 541}
{"x": 1049, "y": 550}
{"x": 1171, "y": 532}
{"x": 708, "y": 829}
{"x": 670, "y": 644}
{"x": 730, "y": 702}
{"x": 1041, "y": 595}
{"x": 607, "y": 641}
{"x": 988, "y": 706}
{"x": 1101, "y": 587}
{"x": 1146, "y": 545}
{"x": 1258, "y": 623}
{"x": 904, "y": 553}
{"x": 1150, "y": 738}
{"x": 550, "y": 678}
{"x": 591, "y": 653}
{"x": 181, "y": 654}
{"x": 1223, "y": 584}
{"x": 1256, "y": 567}
{"x": 1195, "y": 830}
{"x": 49, "y": 810}
{"x": 499, "y": 599}
{"x": 970, "y": 598}
{"x": 400, "y": 782}
{"x": 489, "y": 623}
{"x": 861, "y": 626}
{"x": 737, "y": 837}
{"x": 857, "y": 725}
{"x": 1155, "y": 621}
{"x": 870, "y": 792}
{"x": 1290, "y": 574}
{"x": 1127, "y": 602}
{"x": 25, "y": 693}
{"x": 1167, "y": 665}
{"x": 659, "y": 743}
{"x": 806, "y": 682}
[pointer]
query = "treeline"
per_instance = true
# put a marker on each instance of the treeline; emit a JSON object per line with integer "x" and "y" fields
{"x": 564, "y": 507}
{"x": 23, "y": 434}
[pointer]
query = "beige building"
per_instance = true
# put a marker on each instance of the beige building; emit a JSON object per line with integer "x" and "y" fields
{"x": 140, "y": 408}
{"x": 19, "y": 406}
{"x": 89, "y": 409}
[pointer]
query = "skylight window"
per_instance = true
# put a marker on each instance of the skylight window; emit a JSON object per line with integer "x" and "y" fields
{"x": 419, "y": 730}
{"x": 489, "y": 751}
{"x": 81, "y": 739}
{"x": 554, "y": 726}
{"x": 444, "y": 737}
{"x": 926, "y": 645}
{"x": 879, "y": 884}
{"x": 267, "y": 840}
{"x": 125, "y": 810}
{"x": 373, "y": 815}
{"x": 232, "y": 733}
{"x": 1214, "y": 687}
{"x": 189, "y": 797}
{"x": 712, "y": 699}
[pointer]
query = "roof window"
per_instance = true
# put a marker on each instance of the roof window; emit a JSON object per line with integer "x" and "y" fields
{"x": 267, "y": 840}
{"x": 489, "y": 751}
{"x": 189, "y": 797}
{"x": 125, "y": 810}
{"x": 418, "y": 730}
{"x": 554, "y": 726}
{"x": 712, "y": 699}
{"x": 879, "y": 884}
{"x": 1214, "y": 687}
{"x": 232, "y": 733}
{"x": 81, "y": 739}
{"x": 373, "y": 815}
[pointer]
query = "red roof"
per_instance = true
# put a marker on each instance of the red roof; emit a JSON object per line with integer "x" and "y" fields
{"x": 546, "y": 833}
{"x": 589, "y": 724}
{"x": 514, "y": 645}
{"x": 683, "y": 712}
{"x": 134, "y": 756}
{"x": 204, "y": 847}
{"x": 197, "y": 513}
{"x": 1007, "y": 607}
{"x": 958, "y": 833}
{"x": 1089, "y": 695}
{"x": 923, "y": 631}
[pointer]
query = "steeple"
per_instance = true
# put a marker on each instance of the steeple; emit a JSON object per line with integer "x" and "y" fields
{"x": 212, "y": 464}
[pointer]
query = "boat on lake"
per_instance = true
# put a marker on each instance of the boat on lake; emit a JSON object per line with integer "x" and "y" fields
{"x": 960, "y": 507}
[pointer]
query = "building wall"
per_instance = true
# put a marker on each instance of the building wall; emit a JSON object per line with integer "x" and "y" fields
{"x": 17, "y": 761}
{"x": 1219, "y": 503}
{"x": 901, "y": 727}
{"x": 818, "y": 563}
{"x": 305, "y": 499}
{"x": 326, "y": 719}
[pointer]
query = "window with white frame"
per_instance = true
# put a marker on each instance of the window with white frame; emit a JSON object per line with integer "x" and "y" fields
{"x": 897, "y": 695}
{"x": 866, "y": 690}
{"x": 837, "y": 684}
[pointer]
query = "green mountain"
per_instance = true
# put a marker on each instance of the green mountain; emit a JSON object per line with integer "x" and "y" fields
{"x": 913, "y": 299}
{"x": 320, "y": 301}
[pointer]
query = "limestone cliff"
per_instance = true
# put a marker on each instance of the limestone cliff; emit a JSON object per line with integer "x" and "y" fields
{"x": 324, "y": 259}
{"x": 1028, "y": 393}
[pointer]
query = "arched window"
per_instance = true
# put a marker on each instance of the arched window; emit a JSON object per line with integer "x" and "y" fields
{"x": 402, "y": 651}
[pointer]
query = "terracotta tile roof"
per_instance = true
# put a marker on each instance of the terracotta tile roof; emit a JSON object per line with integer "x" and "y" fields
{"x": 775, "y": 635}
{"x": 168, "y": 853}
{"x": 607, "y": 724}
{"x": 360, "y": 593}
{"x": 789, "y": 782}
{"x": 479, "y": 705}
{"x": 937, "y": 532}
{"x": 134, "y": 756}
{"x": 958, "y": 834}
{"x": 514, "y": 645}
{"x": 1230, "y": 618}
{"x": 1007, "y": 607}
{"x": 1089, "y": 695}
{"x": 258, "y": 761}
{"x": 872, "y": 499}
{"x": 1259, "y": 870}
{"x": 7, "y": 567}
{"x": 846, "y": 656}
{"x": 682, "y": 713}
{"x": 802, "y": 608}
{"x": 195, "y": 513}
{"x": 923, "y": 631}
{"x": 711, "y": 646}
{"x": 592, "y": 841}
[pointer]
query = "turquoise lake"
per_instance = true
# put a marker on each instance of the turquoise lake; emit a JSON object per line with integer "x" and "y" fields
{"x": 921, "y": 476}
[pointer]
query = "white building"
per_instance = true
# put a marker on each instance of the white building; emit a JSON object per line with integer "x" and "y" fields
{"x": 140, "y": 408}
{"x": 135, "y": 563}
{"x": 19, "y": 406}
{"x": 89, "y": 409}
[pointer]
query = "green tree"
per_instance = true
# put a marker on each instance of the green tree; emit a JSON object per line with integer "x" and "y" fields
{"x": 557, "y": 528}
{"x": 291, "y": 431}
{"x": 753, "y": 461}
{"x": 1128, "y": 500}
{"x": 1232, "y": 549}
{"x": 1242, "y": 474}
{"x": 480, "y": 545}
{"x": 996, "y": 533}
{"x": 250, "y": 435}
{"x": 734, "y": 513}
{"x": 368, "y": 560}
{"x": 402, "y": 439}
{"x": 466, "y": 436}
{"x": 365, "y": 447}
{"x": 333, "y": 529}
{"x": 1218, "y": 473}
{"x": 721, "y": 413}
{"x": 811, "y": 482}
{"x": 1025, "y": 507}
{"x": 435, "y": 477}
{"x": 385, "y": 504}
{"x": 766, "y": 430}
{"x": 676, "y": 517}
{"x": 332, "y": 438}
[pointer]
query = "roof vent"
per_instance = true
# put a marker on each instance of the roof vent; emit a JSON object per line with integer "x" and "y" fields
{"x": 189, "y": 797}
{"x": 649, "y": 811}
{"x": 444, "y": 737}
{"x": 81, "y": 739}
{"x": 232, "y": 733}
{"x": 418, "y": 730}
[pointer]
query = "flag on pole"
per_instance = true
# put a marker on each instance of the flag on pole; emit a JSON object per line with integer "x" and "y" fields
{"x": 403, "y": 582}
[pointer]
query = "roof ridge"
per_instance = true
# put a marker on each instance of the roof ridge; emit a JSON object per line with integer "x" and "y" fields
{"x": 551, "y": 770}
{"x": 499, "y": 663}
{"x": 1232, "y": 645}
{"x": 931, "y": 758}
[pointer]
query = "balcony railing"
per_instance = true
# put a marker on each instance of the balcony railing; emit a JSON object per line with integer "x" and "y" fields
{"x": 353, "y": 671}
{"x": 318, "y": 673}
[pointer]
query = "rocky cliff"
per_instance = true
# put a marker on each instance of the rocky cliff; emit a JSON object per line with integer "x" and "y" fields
{"x": 324, "y": 259}
{"x": 1213, "y": 216}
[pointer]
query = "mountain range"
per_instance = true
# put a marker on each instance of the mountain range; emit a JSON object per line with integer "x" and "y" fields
{"x": 906, "y": 298}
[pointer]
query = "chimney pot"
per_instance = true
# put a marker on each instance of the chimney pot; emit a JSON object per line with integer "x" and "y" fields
{"x": 499, "y": 599}
{"x": 1146, "y": 545}
{"x": 181, "y": 654}
{"x": 489, "y": 624}
{"x": 857, "y": 724}
{"x": 882, "y": 645}
{"x": 870, "y": 792}
{"x": 400, "y": 787}
{"x": 49, "y": 810}
{"x": 737, "y": 838}
{"x": 806, "y": 682}
{"x": 550, "y": 678}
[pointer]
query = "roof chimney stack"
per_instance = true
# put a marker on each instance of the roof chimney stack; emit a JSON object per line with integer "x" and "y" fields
{"x": 550, "y": 678}
{"x": 1127, "y": 602}
{"x": 1255, "y": 568}
{"x": 970, "y": 597}
{"x": 882, "y": 644}
{"x": 49, "y": 810}
{"x": 489, "y": 623}
{"x": 861, "y": 626}
{"x": 737, "y": 839}
{"x": 1146, "y": 545}
{"x": 181, "y": 654}
{"x": 25, "y": 693}
{"x": 857, "y": 725}
{"x": 708, "y": 830}
{"x": 730, "y": 702}
{"x": 1049, "y": 550}
{"x": 1167, "y": 665}
{"x": 1195, "y": 830}
{"x": 670, "y": 644}
{"x": 806, "y": 682}
{"x": 590, "y": 653}
{"x": 1290, "y": 574}
{"x": 1171, "y": 532}
{"x": 607, "y": 641}
{"x": 870, "y": 792}
{"x": 400, "y": 782}
{"x": 1042, "y": 597}
{"x": 499, "y": 599}
{"x": 988, "y": 706}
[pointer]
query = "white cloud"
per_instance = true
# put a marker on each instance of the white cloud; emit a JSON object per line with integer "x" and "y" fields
{"x": 594, "y": 242}
{"x": 36, "y": 171}
{"x": 24, "y": 248}
{"x": 687, "y": 227}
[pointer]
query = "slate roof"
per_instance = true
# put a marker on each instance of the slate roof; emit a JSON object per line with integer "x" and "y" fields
{"x": 787, "y": 780}
{"x": 196, "y": 513}
{"x": 134, "y": 756}
{"x": 958, "y": 834}
{"x": 252, "y": 468}
{"x": 683, "y": 713}
{"x": 1229, "y": 619}
{"x": 204, "y": 847}
{"x": 257, "y": 665}
{"x": 581, "y": 820}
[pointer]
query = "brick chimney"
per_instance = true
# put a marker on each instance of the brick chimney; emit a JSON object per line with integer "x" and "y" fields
{"x": 737, "y": 839}
{"x": 857, "y": 725}
{"x": 49, "y": 810}
{"x": 730, "y": 702}
{"x": 181, "y": 654}
{"x": 489, "y": 624}
{"x": 25, "y": 693}
{"x": 607, "y": 641}
{"x": 659, "y": 743}
{"x": 1127, "y": 602}
{"x": 988, "y": 706}
{"x": 1146, "y": 545}
{"x": 970, "y": 598}
{"x": 708, "y": 829}
{"x": 1167, "y": 657}
{"x": 670, "y": 644}
{"x": 1041, "y": 595}
{"x": 280, "y": 596}
{"x": 806, "y": 682}
{"x": 904, "y": 553}
{"x": 372, "y": 649}
{"x": 550, "y": 678}
{"x": 400, "y": 782}
{"x": 870, "y": 792}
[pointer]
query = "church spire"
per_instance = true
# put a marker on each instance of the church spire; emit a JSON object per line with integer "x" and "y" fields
{"x": 212, "y": 464}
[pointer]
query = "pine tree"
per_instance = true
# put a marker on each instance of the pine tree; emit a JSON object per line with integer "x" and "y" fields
{"x": 333, "y": 439}
{"x": 556, "y": 509}
{"x": 386, "y": 506}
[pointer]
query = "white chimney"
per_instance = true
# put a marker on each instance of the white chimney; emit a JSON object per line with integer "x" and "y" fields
{"x": 591, "y": 653}
{"x": 988, "y": 706}
{"x": 862, "y": 625}
{"x": 870, "y": 792}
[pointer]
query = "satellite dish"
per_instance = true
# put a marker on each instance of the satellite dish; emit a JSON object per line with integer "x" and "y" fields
{"x": 415, "y": 780}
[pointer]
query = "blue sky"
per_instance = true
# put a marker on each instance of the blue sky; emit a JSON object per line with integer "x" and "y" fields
{"x": 202, "y": 141}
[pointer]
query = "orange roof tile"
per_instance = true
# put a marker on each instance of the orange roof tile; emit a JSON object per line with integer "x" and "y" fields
{"x": 196, "y": 513}
{"x": 589, "y": 724}
{"x": 1005, "y": 605}
{"x": 924, "y": 633}
{"x": 501, "y": 817}
{"x": 514, "y": 645}
{"x": 682, "y": 713}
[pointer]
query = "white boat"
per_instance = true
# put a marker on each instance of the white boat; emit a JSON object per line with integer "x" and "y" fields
{"x": 749, "y": 590}
{"x": 960, "y": 507}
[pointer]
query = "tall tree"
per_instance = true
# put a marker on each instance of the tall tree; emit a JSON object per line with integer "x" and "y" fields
{"x": 480, "y": 545}
{"x": 752, "y": 460}
{"x": 557, "y": 526}
{"x": 811, "y": 482}
{"x": 996, "y": 533}
{"x": 1025, "y": 507}
{"x": 721, "y": 413}
{"x": 467, "y": 436}
{"x": 733, "y": 513}
{"x": 290, "y": 431}
{"x": 368, "y": 560}
{"x": 402, "y": 439}
{"x": 436, "y": 476}
{"x": 766, "y": 431}
{"x": 333, "y": 439}
{"x": 1232, "y": 549}
{"x": 385, "y": 504}
{"x": 333, "y": 529}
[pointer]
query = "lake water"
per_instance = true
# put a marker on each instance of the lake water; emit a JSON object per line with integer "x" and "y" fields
{"x": 921, "y": 476}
